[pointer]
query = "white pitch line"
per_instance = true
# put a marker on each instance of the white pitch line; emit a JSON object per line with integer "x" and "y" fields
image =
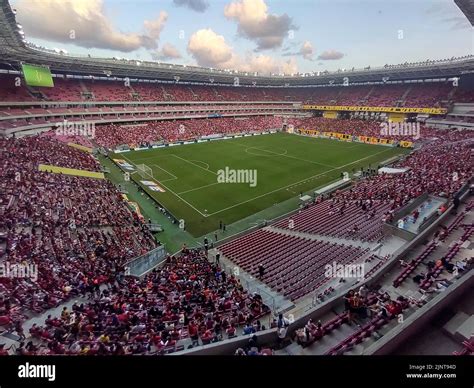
{"x": 263, "y": 195}
{"x": 161, "y": 168}
{"x": 167, "y": 180}
{"x": 171, "y": 191}
{"x": 198, "y": 188}
{"x": 292, "y": 184}
{"x": 285, "y": 156}
{"x": 258, "y": 148}
{"x": 194, "y": 164}
{"x": 200, "y": 161}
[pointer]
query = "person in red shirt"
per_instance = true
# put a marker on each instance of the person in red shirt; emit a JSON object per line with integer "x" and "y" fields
{"x": 394, "y": 308}
{"x": 207, "y": 337}
{"x": 231, "y": 331}
{"x": 5, "y": 320}
{"x": 193, "y": 332}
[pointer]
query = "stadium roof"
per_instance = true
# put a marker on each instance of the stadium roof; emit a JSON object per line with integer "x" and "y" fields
{"x": 14, "y": 50}
{"x": 467, "y": 7}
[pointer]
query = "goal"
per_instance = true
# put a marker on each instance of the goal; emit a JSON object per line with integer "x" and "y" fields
{"x": 145, "y": 171}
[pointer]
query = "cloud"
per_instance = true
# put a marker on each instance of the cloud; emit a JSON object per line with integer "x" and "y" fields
{"x": 195, "y": 5}
{"x": 154, "y": 27}
{"x": 457, "y": 23}
{"x": 330, "y": 55}
{"x": 436, "y": 8}
{"x": 264, "y": 64}
{"x": 449, "y": 14}
{"x": 255, "y": 23}
{"x": 167, "y": 52}
{"x": 306, "y": 51}
{"x": 84, "y": 24}
{"x": 433, "y": 8}
{"x": 210, "y": 49}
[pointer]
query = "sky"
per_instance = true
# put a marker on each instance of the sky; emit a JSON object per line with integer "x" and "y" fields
{"x": 264, "y": 36}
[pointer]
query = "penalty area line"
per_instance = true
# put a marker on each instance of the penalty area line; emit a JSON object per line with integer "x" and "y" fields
{"x": 172, "y": 192}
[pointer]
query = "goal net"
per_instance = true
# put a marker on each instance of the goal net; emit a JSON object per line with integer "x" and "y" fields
{"x": 145, "y": 171}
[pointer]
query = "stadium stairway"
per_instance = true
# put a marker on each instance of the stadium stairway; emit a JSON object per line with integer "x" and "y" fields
{"x": 276, "y": 301}
{"x": 381, "y": 250}
{"x": 36, "y": 318}
{"x": 334, "y": 240}
{"x": 322, "y": 345}
{"x": 405, "y": 94}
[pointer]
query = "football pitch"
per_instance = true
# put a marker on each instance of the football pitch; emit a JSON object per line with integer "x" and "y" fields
{"x": 228, "y": 180}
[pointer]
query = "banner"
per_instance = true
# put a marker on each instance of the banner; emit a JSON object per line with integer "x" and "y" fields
{"x": 330, "y": 114}
{"x": 310, "y": 132}
{"x": 385, "y": 141}
{"x": 70, "y": 171}
{"x": 406, "y": 144}
{"x": 123, "y": 164}
{"x": 80, "y": 147}
{"x": 434, "y": 111}
{"x": 134, "y": 207}
{"x": 374, "y": 140}
{"x": 152, "y": 186}
{"x": 346, "y": 137}
{"x": 396, "y": 117}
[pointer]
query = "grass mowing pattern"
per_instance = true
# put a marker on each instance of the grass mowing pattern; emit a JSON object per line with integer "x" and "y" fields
{"x": 286, "y": 165}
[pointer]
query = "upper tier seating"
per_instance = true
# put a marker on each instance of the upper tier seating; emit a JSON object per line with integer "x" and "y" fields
{"x": 410, "y": 95}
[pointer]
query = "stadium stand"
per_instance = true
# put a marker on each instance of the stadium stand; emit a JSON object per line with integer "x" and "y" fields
{"x": 186, "y": 301}
{"x": 81, "y": 234}
{"x": 76, "y": 230}
{"x": 111, "y": 136}
{"x": 359, "y": 213}
{"x": 423, "y": 95}
{"x": 293, "y": 265}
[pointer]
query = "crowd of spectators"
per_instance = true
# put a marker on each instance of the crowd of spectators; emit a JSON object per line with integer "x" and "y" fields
{"x": 185, "y": 303}
{"x": 55, "y": 117}
{"x": 74, "y": 230}
{"x": 360, "y": 127}
{"x": 439, "y": 168}
{"x": 360, "y": 305}
{"x": 409, "y": 94}
{"x": 80, "y": 234}
{"x": 113, "y": 135}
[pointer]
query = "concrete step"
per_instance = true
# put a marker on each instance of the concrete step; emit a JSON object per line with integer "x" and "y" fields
{"x": 277, "y": 302}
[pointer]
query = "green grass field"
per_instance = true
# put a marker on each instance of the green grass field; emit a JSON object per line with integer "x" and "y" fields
{"x": 285, "y": 166}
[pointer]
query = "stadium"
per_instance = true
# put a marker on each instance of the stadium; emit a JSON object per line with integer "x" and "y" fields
{"x": 161, "y": 207}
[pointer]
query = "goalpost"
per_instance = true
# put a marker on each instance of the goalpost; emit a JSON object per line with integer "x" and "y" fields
{"x": 145, "y": 171}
